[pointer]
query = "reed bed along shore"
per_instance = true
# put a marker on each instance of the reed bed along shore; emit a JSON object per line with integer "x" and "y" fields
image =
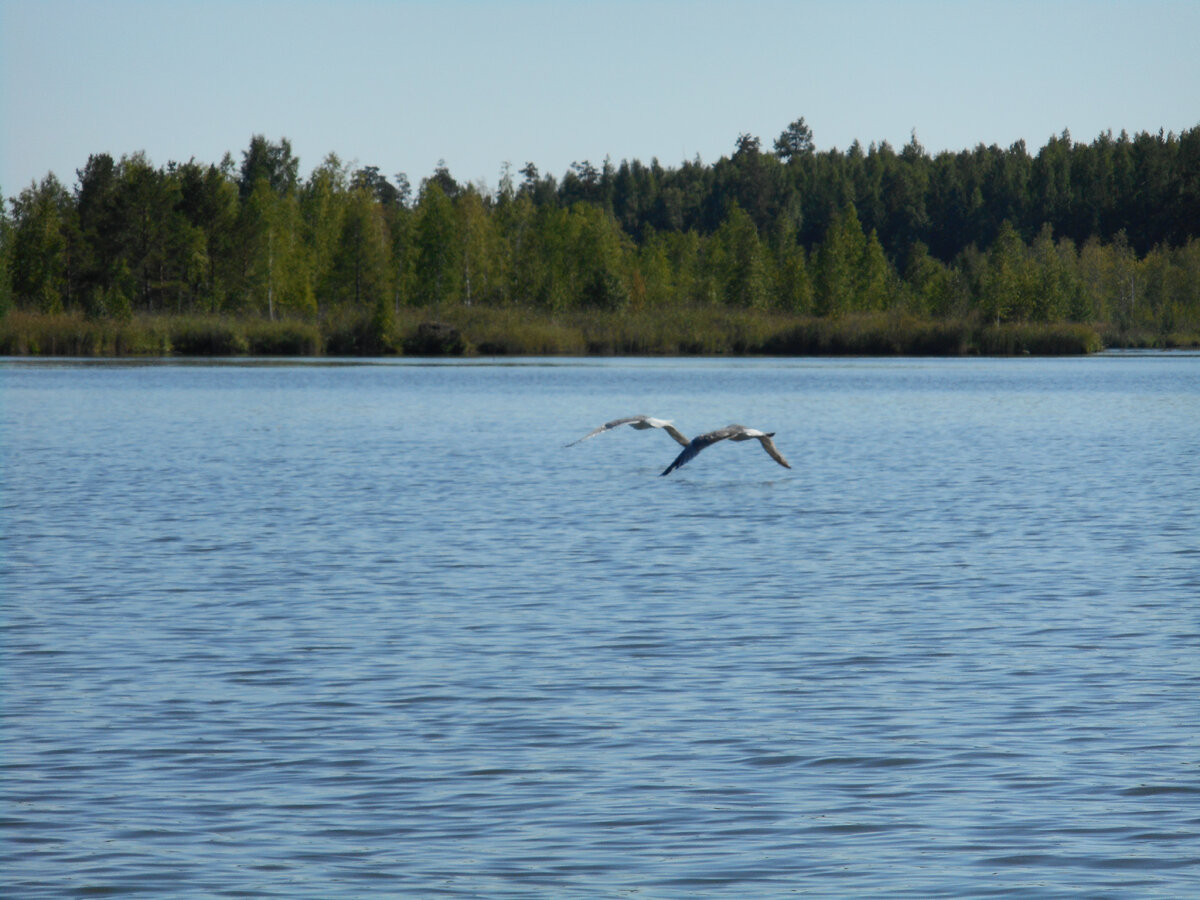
{"x": 488, "y": 331}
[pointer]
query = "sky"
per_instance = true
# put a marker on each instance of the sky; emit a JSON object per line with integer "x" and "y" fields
{"x": 474, "y": 84}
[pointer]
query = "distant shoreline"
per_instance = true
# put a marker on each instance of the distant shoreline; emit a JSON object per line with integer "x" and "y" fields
{"x": 481, "y": 331}
{"x": 985, "y": 252}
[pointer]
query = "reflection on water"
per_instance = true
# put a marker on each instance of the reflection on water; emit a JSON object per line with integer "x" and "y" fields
{"x": 370, "y": 630}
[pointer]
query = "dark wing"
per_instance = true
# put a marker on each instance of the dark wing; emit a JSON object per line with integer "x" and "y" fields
{"x": 606, "y": 426}
{"x": 697, "y": 444}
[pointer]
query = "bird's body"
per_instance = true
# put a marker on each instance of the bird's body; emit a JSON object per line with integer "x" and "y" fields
{"x": 641, "y": 423}
{"x": 732, "y": 433}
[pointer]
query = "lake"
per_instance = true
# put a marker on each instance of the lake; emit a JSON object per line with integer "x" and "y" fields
{"x": 335, "y": 629}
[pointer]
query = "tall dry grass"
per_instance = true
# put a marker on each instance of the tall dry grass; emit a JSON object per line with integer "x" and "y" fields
{"x": 512, "y": 331}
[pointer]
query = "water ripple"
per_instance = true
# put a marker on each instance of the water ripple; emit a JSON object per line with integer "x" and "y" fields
{"x": 259, "y": 641}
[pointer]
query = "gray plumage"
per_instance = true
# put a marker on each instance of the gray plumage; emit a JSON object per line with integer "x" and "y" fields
{"x": 641, "y": 423}
{"x": 732, "y": 433}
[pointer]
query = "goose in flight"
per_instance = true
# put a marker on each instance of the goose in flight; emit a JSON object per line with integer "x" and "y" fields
{"x": 641, "y": 423}
{"x": 733, "y": 433}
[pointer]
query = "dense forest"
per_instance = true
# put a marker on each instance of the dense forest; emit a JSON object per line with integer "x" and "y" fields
{"x": 761, "y": 243}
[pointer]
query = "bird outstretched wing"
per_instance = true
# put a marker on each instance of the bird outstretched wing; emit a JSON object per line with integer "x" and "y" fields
{"x": 769, "y": 446}
{"x": 639, "y": 422}
{"x": 697, "y": 444}
{"x": 605, "y": 427}
{"x": 680, "y": 437}
{"x": 737, "y": 433}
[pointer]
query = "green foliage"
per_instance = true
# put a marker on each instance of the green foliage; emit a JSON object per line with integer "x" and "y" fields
{"x": 931, "y": 288}
{"x": 109, "y": 303}
{"x": 361, "y": 273}
{"x": 70, "y": 334}
{"x": 39, "y": 260}
{"x": 1056, "y": 340}
{"x": 435, "y": 339}
{"x": 282, "y": 338}
{"x": 273, "y": 165}
{"x": 6, "y": 255}
{"x": 599, "y": 258}
{"x": 847, "y": 267}
{"x": 207, "y": 337}
{"x": 382, "y": 331}
{"x": 1101, "y": 237}
{"x": 484, "y": 269}
{"x": 514, "y": 332}
{"x": 1006, "y": 289}
{"x": 322, "y": 210}
{"x": 209, "y": 205}
{"x": 872, "y": 335}
{"x": 738, "y": 261}
{"x": 875, "y": 286}
{"x": 275, "y": 267}
{"x": 795, "y": 142}
{"x": 436, "y": 247}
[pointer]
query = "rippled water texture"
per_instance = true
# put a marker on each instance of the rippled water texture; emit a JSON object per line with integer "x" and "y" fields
{"x": 371, "y": 630}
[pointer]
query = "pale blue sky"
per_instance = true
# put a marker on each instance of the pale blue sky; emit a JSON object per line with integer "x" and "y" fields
{"x": 400, "y": 85}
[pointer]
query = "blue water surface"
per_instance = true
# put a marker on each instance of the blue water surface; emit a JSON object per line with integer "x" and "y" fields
{"x": 370, "y": 630}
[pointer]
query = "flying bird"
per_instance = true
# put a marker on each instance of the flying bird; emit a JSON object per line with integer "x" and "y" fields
{"x": 730, "y": 432}
{"x": 641, "y": 423}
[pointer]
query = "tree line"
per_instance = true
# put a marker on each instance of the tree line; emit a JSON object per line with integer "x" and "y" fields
{"x": 1104, "y": 233}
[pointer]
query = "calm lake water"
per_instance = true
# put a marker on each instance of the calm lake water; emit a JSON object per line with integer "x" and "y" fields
{"x": 370, "y": 630}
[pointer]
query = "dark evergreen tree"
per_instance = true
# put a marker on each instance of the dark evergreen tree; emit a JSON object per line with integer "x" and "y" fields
{"x": 795, "y": 142}
{"x": 273, "y": 163}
